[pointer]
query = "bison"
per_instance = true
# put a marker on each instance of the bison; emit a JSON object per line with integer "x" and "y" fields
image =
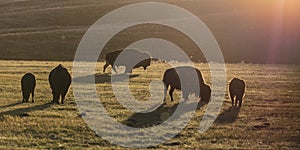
{"x": 236, "y": 90}
{"x": 28, "y": 83}
{"x": 171, "y": 78}
{"x": 133, "y": 54}
{"x": 60, "y": 80}
{"x": 205, "y": 92}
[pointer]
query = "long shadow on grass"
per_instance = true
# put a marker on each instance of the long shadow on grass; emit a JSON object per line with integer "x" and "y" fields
{"x": 228, "y": 116}
{"x": 156, "y": 117}
{"x": 11, "y": 105}
{"x": 103, "y": 78}
{"x": 23, "y": 112}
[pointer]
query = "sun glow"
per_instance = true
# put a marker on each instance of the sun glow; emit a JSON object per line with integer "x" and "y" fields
{"x": 276, "y": 32}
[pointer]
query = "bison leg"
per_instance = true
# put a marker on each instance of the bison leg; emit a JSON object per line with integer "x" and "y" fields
{"x": 236, "y": 100}
{"x": 114, "y": 68}
{"x": 55, "y": 97}
{"x": 23, "y": 94}
{"x": 26, "y": 96}
{"x": 171, "y": 93}
{"x": 32, "y": 97}
{"x": 63, "y": 98}
{"x": 240, "y": 103}
{"x": 165, "y": 92}
{"x": 105, "y": 66}
{"x": 240, "y": 99}
{"x": 232, "y": 98}
{"x": 63, "y": 95}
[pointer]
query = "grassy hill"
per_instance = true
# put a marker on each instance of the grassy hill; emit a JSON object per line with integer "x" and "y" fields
{"x": 51, "y": 30}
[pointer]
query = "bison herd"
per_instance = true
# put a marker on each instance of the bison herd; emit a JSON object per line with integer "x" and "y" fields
{"x": 59, "y": 79}
{"x": 178, "y": 78}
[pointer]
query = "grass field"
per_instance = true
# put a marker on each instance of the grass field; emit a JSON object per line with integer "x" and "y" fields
{"x": 269, "y": 118}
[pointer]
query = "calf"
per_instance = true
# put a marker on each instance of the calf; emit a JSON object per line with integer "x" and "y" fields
{"x": 111, "y": 57}
{"x": 60, "y": 80}
{"x": 171, "y": 78}
{"x": 28, "y": 85}
{"x": 236, "y": 90}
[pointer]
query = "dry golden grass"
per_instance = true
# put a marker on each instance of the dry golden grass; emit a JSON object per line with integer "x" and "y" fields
{"x": 269, "y": 118}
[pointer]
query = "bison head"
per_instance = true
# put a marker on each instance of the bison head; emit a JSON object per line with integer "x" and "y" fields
{"x": 146, "y": 63}
{"x": 205, "y": 92}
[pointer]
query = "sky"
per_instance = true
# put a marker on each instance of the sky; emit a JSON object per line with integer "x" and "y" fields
{"x": 264, "y": 31}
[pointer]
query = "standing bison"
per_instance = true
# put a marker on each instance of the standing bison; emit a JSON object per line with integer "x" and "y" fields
{"x": 236, "y": 90}
{"x": 172, "y": 78}
{"x": 60, "y": 80}
{"x": 130, "y": 55}
{"x": 28, "y": 85}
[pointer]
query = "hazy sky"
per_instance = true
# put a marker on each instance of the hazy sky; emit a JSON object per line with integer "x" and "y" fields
{"x": 256, "y": 30}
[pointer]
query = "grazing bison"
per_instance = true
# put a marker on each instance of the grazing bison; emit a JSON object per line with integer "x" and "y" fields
{"x": 60, "y": 80}
{"x": 236, "y": 90}
{"x": 28, "y": 85}
{"x": 132, "y": 54}
{"x": 171, "y": 78}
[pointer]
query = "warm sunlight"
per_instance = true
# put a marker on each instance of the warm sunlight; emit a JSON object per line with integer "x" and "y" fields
{"x": 285, "y": 13}
{"x": 168, "y": 74}
{"x": 276, "y": 32}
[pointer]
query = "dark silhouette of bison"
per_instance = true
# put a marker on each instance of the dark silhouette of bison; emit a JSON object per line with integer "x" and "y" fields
{"x": 60, "y": 81}
{"x": 111, "y": 57}
{"x": 28, "y": 83}
{"x": 171, "y": 78}
{"x": 236, "y": 90}
{"x": 205, "y": 92}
